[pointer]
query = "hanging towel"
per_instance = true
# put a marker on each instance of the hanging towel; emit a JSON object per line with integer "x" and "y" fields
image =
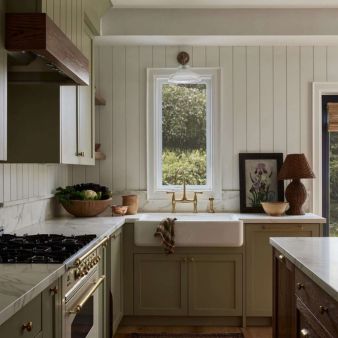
{"x": 166, "y": 232}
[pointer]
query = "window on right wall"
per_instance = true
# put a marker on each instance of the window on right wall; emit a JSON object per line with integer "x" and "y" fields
{"x": 183, "y": 134}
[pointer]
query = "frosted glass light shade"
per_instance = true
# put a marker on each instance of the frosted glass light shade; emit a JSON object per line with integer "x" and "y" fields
{"x": 184, "y": 75}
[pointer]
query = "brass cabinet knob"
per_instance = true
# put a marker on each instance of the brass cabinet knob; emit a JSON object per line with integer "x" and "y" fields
{"x": 54, "y": 290}
{"x": 300, "y": 286}
{"x": 323, "y": 309}
{"x": 281, "y": 258}
{"x": 304, "y": 333}
{"x": 184, "y": 259}
{"x": 191, "y": 259}
{"x": 27, "y": 326}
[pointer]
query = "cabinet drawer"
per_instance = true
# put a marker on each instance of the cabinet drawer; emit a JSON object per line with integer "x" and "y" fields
{"x": 323, "y": 307}
{"x": 13, "y": 327}
{"x": 308, "y": 326}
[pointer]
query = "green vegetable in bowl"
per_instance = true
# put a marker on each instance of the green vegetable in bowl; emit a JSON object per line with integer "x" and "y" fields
{"x": 85, "y": 191}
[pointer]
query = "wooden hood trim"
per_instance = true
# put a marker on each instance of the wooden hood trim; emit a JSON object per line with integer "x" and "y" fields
{"x": 37, "y": 33}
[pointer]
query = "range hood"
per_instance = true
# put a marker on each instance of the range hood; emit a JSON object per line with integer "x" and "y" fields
{"x": 38, "y": 51}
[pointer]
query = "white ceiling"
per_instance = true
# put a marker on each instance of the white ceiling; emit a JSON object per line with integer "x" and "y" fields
{"x": 225, "y": 3}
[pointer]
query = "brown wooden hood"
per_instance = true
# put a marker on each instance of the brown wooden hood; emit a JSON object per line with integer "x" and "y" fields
{"x": 35, "y": 35}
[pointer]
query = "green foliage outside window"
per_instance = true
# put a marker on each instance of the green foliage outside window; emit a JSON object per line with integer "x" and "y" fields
{"x": 334, "y": 184}
{"x": 184, "y": 134}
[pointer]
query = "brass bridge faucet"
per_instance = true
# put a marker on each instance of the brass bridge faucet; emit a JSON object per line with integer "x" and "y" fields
{"x": 184, "y": 198}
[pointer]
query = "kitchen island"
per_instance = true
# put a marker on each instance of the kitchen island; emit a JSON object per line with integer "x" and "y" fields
{"x": 305, "y": 287}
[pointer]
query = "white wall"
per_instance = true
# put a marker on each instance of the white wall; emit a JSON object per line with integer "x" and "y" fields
{"x": 266, "y": 105}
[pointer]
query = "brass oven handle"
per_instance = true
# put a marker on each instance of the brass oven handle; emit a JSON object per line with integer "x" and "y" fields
{"x": 79, "y": 306}
{"x": 80, "y": 260}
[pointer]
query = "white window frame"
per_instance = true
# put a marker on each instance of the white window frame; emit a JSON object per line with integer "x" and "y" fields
{"x": 156, "y": 77}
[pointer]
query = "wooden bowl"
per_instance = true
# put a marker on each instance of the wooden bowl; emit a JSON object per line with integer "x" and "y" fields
{"x": 88, "y": 208}
{"x": 275, "y": 208}
{"x": 120, "y": 210}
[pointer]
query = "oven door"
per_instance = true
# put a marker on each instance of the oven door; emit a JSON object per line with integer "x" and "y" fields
{"x": 83, "y": 309}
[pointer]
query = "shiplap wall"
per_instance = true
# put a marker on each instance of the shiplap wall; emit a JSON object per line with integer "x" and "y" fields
{"x": 266, "y": 95}
{"x": 21, "y": 183}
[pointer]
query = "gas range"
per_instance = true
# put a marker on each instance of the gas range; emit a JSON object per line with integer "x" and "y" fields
{"x": 40, "y": 248}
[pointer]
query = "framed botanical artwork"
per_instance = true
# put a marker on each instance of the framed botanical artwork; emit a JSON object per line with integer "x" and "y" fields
{"x": 258, "y": 180}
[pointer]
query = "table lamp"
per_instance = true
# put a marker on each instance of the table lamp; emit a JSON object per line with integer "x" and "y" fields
{"x": 295, "y": 167}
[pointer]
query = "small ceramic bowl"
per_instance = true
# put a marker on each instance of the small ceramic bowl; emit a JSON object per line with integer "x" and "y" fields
{"x": 275, "y": 208}
{"x": 119, "y": 210}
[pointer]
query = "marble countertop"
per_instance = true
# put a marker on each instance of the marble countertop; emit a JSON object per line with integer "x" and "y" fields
{"x": 246, "y": 218}
{"x": 20, "y": 283}
{"x": 317, "y": 257}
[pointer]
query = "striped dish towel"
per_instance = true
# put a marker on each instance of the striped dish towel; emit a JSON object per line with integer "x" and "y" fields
{"x": 166, "y": 232}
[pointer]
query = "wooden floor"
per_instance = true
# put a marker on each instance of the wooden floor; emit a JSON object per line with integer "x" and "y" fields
{"x": 250, "y": 332}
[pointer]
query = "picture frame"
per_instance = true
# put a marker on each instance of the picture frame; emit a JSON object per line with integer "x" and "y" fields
{"x": 258, "y": 180}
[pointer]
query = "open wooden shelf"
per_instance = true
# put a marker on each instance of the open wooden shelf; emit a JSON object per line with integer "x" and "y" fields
{"x": 99, "y": 100}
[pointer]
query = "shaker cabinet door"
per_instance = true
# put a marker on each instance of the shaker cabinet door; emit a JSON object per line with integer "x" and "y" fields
{"x": 160, "y": 285}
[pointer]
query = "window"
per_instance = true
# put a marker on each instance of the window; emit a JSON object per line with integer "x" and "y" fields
{"x": 183, "y": 130}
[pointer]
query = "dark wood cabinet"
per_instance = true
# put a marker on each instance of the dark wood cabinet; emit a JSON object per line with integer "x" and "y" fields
{"x": 284, "y": 325}
{"x": 302, "y": 309}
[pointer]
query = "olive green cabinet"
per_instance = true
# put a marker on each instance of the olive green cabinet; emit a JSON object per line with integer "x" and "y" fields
{"x": 41, "y": 317}
{"x": 3, "y": 90}
{"x": 215, "y": 285}
{"x": 194, "y": 285}
{"x": 116, "y": 267}
{"x": 258, "y": 262}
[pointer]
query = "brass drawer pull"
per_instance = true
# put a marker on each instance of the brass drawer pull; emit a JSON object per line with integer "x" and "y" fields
{"x": 281, "y": 258}
{"x": 300, "y": 286}
{"x": 53, "y": 291}
{"x": 28, "y": 326}
{"x": 304, "y": 333}
{"x": 191, "y": 259}
{"x": 323, "y": 309}
{"x": 184, "y": 259}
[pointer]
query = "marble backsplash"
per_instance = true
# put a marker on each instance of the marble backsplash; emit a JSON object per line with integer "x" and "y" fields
{"x": 15, "y": 217}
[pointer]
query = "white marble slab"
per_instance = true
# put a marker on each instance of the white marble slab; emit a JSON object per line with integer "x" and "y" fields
{"x": 317, "y": 257}
{"x": 20, "y": 283}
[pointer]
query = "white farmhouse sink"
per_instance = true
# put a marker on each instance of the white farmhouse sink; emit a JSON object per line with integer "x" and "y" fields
{"x": 193, "y": 230}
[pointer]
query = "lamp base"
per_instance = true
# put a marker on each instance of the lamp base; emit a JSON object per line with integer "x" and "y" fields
{"x": 295, "y": 194}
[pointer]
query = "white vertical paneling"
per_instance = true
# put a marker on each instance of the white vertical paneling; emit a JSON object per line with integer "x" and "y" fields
{"x": 158, "y": 56}
{"x": 199, "y": 56}
{"x": 171, "y": 56}
{"x": 73, "y": 21}
{"x": 332, "y": 63}
{"x": 13, "y": 182}
{"x": 25, "y": 181}
{"x": 212, "y": 56}
{"x": 106, "y": 114}
{"x": 266, "y": 99}
{"x": 30, "y": 180}
{"x": 63, "y": 15}
{"x": 132, "y": 118}
{"x": 69, "y": 7}
{"x": 79, "y": 174}
{"x": 7, "y": 182}
{"x": 35, "y": 180}
{"x": 19, "y": 179}
{"x": 56, "y": 12}
{"x": 119, "y": 118}
{"x": 306, "y": 78}
{"x": 252, "y": 103}
{"x": 239, "y": 106}
{"x": 293, "y": 99}
{"x": 146, "y": 61}
{"x": 279, "y": 100}
{"x": 50, "y": 8}
{"x": 227, "y": 119}
{"x": 319, "y": 63}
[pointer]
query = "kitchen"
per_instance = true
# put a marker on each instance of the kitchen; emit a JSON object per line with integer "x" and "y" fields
{"x": 176, "y": 115}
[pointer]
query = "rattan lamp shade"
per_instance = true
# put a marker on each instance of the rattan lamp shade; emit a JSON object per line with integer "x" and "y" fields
{"x": 295, "y": 166}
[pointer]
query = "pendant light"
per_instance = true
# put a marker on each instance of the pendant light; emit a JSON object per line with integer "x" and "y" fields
{"x": 183, "y": 74}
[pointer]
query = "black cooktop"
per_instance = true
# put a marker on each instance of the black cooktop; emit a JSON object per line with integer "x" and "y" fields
{"x": 40, "y": 248}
